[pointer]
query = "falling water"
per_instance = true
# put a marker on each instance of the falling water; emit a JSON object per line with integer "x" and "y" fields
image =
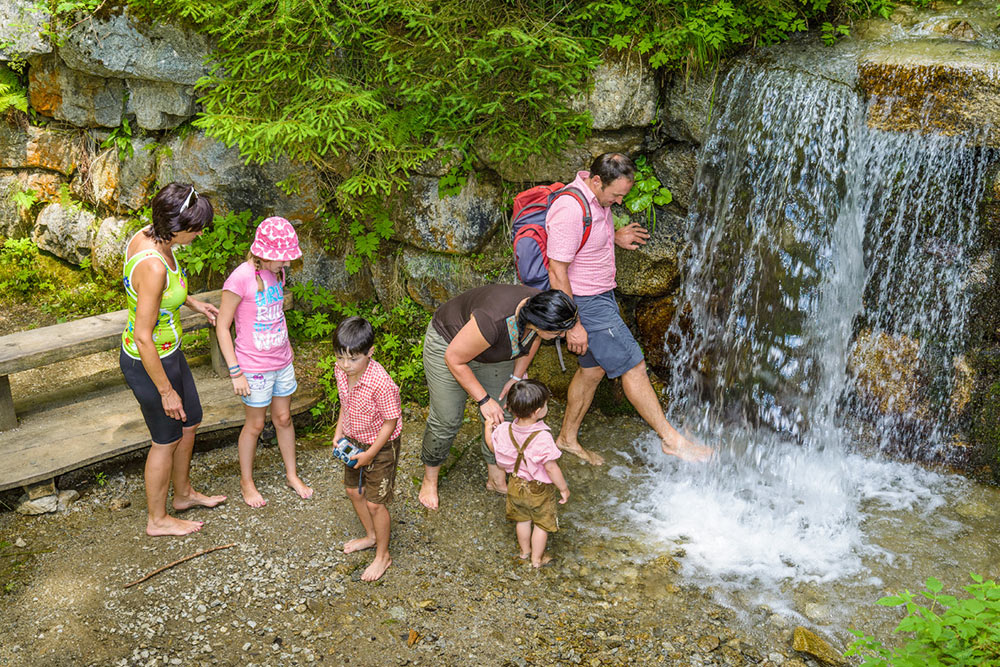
{"x": 819, "y": 249}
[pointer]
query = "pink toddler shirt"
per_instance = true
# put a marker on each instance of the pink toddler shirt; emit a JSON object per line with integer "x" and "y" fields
{"x": 591, "y": 270}
{"x": 261, "y": 333}
{"x": 540, "y": 450}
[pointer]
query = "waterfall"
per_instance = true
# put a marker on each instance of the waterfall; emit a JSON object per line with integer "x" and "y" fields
{"x": 825, "y": 280}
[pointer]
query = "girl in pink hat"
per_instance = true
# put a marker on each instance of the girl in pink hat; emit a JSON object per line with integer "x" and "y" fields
{"x": 260, "y": 365}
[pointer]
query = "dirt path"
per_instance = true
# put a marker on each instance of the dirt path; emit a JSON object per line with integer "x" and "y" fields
{"x": 455, "y": 595}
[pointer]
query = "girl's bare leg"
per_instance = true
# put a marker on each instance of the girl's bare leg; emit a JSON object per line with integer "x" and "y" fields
{"x": 246, "y": 451}
{"x": 281, "y": 417}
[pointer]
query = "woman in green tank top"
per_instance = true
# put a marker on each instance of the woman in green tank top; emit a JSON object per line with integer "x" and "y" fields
{"x": 151, "y": 359}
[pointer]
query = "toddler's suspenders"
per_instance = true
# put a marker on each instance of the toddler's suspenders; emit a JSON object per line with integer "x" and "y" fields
{"x": 520, "y": 448}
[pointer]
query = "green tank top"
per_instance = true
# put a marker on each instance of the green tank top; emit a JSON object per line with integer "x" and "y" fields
{"x": 167, "y": 332}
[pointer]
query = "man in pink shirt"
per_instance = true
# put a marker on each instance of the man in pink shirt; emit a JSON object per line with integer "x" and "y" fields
{"x": 600, "y": 337}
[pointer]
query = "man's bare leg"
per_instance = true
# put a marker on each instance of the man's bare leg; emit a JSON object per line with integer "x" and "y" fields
{"x": 496, "y": 479}
{"x": 579, "y": 396}
{"x": 429, "y": 487}
{"x": 641, "y": 395}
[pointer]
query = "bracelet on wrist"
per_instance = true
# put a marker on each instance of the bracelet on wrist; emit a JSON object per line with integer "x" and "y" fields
{"x": 484, "y": 400}
{"x": 515, "y": 378}
{"x": 236, "y": 375}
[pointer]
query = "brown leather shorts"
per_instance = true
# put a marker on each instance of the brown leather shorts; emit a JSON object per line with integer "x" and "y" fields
{"x": 532, "y": 501}
{"x": 380, "y": 475}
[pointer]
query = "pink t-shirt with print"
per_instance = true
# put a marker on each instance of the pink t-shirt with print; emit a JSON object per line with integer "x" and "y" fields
{"x": 540, "y": 450}
{"x": 261, "y": 333}
{"x": 591, "y": 270}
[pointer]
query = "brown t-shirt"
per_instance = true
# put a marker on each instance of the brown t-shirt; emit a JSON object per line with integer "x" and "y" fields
{"x": 493, "y": 307}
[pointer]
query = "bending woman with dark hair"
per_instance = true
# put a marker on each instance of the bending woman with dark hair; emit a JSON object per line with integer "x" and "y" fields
{"x": 478, "y": 345}
{"x": 151, "y": 358}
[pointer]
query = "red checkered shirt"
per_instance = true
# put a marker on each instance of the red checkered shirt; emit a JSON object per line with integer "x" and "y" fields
{"x": 373, "y": 401}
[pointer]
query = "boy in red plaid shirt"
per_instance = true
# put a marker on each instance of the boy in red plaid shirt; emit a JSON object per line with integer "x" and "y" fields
{"x": 370, "y": 417}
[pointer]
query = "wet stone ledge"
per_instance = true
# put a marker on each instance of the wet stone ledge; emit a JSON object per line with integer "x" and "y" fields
{"x": 950, "y": 88}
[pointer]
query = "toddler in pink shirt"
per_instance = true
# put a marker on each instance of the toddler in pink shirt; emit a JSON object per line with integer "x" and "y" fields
{"x": 526, "y": 450}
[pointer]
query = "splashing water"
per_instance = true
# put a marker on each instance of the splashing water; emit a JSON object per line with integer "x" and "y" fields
{"x": 821, "y": 249}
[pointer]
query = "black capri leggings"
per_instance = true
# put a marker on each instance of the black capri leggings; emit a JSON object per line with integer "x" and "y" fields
{"x": 163, "y": 430}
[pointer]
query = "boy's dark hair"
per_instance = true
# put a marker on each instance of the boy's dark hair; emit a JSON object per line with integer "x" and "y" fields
{"x": 353, "y": 335}
{"x": 525, "y": 397}
{"x": 612, "y": 166}
{"x": 178, "y": 208}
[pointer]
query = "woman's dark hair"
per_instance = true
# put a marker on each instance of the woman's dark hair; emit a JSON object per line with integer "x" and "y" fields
{"x": 525, "y": 397}
{"x": 352, "y": 336}
{"x": 179, "y": 208}
{"x": 612, "y": 166}
{"x": 551, "y": 310}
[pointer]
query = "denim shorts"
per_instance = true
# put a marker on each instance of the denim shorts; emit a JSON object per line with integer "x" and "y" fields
{"x": 265, "y": 385}
{"x": 610, "y": 344}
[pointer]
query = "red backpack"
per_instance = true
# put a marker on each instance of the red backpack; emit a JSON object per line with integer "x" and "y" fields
{"x": 528, "y": 230}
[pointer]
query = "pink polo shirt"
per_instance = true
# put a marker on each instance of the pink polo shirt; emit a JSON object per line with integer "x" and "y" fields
{"x": 592, "y": 270}
{"x": 540, "y": 450}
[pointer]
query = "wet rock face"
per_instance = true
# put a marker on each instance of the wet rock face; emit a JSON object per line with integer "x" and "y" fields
{"x": 653, "y": 318}
{"x": 66, "y": 94}
{"x": 65, "y": 232}
{"x": 36, "y": 147}
{"x": 117, "y": 47}
{"x": 622, "y": 94}
{"x": 887, "y": 371}
{"x": 21, "y": 24}
{"x": 933, "y": 86}
{"x": 457, "y": 224}
{"x": 652, "y": 269}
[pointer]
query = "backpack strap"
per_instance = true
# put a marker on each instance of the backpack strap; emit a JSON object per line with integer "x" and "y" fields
{"x": 520, "y": 448}
{"x": 576, "y": 194}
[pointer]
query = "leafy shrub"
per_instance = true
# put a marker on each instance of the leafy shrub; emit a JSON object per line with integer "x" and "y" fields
{"x": 19, "y": 269}
{"x": 647, "y": 192}
{"x": 227, "y": 239}
{"x": 399, "y": 340}
{"x": 949, "y": 631}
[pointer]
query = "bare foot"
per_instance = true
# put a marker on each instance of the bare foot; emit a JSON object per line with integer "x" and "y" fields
{"x": 689, "y": 450}
{"x": 429, "y": 495}
{"x": 359, "y": 544}
{"x": 544, "y": 560}
{"x": 524, "y": 556}
{"x": 251, "y": 496}
{"x": 375, "y": 571}
{"x": 170, "y": 525}
{"x": 492, "y": 486}
{"x": 196, "y": 499}
{"x": 593, "y": 458}
{"x": 299, "y": 487}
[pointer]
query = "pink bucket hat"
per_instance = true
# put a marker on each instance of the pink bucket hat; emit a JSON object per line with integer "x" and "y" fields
{"x": 276, "y": 240}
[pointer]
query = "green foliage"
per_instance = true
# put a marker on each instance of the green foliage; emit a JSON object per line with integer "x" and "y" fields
{"x": 948, "y": 631}
{"x": 24, "y": 199}
{"x": 399, "y": 340}
{"x": 121, "y": 139}
{"x": 19, "y": 269}
{"x": 101, "y": 478}
{"x": 13, "y": 94}
{"x": 647, "y": 192}
{"x": 228, "y": 238}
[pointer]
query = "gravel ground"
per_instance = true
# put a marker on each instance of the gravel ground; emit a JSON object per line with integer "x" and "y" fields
{"x": 285, "y": 594}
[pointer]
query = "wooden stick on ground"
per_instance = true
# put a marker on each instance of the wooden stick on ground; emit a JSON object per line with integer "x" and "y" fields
{"x": 178, "y": 562}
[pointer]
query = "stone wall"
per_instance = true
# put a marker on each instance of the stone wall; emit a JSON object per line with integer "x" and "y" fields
{"x": 112, "y": 70}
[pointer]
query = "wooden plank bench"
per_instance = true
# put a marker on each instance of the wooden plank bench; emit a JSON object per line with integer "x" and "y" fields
{"x": 107, "y": 422}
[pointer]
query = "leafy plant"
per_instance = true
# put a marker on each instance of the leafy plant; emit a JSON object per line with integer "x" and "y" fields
{"x": 948, "y": 631}
{"x": 13, "y": 94}
{"x": 101, "y": 478}
{"x": 647, "y": 192}
{"x": 19, "y": 267}
{"x": 24, "y": 199}
{"x": 228, "y": 238}
{"x": 120, "y": 139}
